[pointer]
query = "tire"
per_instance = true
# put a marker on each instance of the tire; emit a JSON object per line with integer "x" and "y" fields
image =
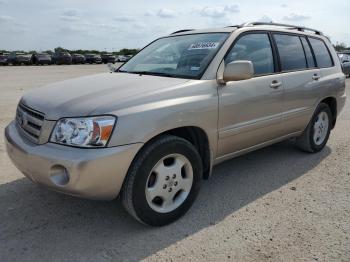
{"x": 181, "y": 195}
{"x": 308, "y": 141}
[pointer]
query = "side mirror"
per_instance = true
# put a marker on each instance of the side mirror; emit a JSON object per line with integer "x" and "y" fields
{"x": 238, "y": 70}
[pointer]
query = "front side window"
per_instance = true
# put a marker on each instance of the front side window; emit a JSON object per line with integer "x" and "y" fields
{"x": 321, "y": 52}
{"x": 185, "y": 56}
{"x": 291, "y": 52}
{"x": 255, "y": 48}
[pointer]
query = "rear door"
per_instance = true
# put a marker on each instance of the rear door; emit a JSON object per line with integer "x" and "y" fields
{"x": 250, "y": 111}
{"x": 300, "y": 78}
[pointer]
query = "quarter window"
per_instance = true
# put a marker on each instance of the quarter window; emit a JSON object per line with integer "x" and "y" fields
{"x": 308, "y": 53}
{"x": 322, "y": 55}
{"x": 291, "y": 52}
{"x": 255, "y": 48}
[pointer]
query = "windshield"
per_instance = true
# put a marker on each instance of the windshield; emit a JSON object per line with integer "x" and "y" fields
{"x": 185, "y": 56}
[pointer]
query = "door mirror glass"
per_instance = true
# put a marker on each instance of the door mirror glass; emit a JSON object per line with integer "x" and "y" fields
{"x": 238, "y": 70}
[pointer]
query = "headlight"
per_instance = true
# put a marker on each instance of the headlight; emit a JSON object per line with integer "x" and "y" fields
{"x": 83, "y": 132}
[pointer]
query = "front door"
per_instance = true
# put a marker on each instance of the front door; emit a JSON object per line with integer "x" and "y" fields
{"x": 250, "y": 111}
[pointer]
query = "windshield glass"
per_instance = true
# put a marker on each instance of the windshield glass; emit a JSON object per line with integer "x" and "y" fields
{"x": 185, "y": 56}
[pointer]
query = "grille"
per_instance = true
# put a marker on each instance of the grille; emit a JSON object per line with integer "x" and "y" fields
{"x": 30, "y": 121}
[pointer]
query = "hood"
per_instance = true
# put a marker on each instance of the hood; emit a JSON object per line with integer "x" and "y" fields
{"x": 96, "y": 94}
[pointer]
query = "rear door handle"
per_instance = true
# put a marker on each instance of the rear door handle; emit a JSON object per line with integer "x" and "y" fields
{"x": 316, "y": 77}
{"x": 275, "y": 84}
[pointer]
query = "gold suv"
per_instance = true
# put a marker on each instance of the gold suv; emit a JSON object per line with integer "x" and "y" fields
{"x": 154, "y": 128}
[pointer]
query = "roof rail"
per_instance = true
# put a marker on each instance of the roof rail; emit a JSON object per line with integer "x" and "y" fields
{"x": 181, "y": 31}
{"x": 295, "y": 27}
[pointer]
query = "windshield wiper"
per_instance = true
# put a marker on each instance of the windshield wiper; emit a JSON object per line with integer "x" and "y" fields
{"x": 151, "y": 73}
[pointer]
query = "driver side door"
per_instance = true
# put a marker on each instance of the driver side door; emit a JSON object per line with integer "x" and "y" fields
{"x": 250, "y": 111}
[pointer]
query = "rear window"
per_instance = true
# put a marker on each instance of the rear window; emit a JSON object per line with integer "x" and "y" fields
{"x": 323, "y": 58}
{"x": 291, "y": 52}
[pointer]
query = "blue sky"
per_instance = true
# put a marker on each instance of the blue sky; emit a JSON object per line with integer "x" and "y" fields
{"x": 112, "y": 25}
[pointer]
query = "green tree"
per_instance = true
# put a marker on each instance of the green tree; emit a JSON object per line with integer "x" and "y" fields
{"x": 340, "y": 46}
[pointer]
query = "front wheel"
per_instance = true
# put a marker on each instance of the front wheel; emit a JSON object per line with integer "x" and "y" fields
{"x": 317, "y": 132}
{"x": 163, "y": 181}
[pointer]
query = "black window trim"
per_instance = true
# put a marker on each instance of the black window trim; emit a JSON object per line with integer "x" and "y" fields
{"x": 329, "y": 52}
{"x": 303, "y": 47}
{"x": 312, "y": 52}
{"x": 302, "y": 44}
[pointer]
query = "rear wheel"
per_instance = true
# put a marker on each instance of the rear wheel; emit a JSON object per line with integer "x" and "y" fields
{"x": 163, "y": 181}
{"x": 316, "y": 134}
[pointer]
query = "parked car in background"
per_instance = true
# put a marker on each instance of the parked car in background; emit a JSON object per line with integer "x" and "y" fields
{"x": 128, "y": 57}
{"x": 345, "y": 61}
{"x": 78, "y": 59}
{"x": 17, "y": 58}
{"x": 108, "y": 58}
{"x": 62, "y": 58}
{"x": 41, "y": 59}
{"x": 151, "y": 132}
{"x": 121, "y": 58}
{"x": 93, "y": 59}
{"x": 3, "y": 58}
{"x": 347, "y": 52}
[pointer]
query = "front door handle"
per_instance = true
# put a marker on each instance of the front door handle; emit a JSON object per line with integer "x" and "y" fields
{"x": 275, "y": 84}
{"x": 316, "y": 77}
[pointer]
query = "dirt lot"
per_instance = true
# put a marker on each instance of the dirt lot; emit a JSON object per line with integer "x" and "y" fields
{"x": 276, "y": 204}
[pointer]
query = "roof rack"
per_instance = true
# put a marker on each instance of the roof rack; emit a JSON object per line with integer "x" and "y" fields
{"x": 181, "y": 31}
{"x": 292, "y": 27}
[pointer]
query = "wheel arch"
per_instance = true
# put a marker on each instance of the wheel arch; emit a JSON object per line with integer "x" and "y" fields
{"x": 332, "y": 103}
{"x": 198, "y": 138}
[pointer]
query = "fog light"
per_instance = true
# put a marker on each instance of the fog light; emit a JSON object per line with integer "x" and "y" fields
{"x": 59, "y": 175}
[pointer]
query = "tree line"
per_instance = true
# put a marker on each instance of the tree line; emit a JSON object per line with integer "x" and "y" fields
{"x": 124, "y": 51}
{"x": 341, "y": 47}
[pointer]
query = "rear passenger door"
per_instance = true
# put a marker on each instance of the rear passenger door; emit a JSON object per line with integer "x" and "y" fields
{"x": 300, "y": 78}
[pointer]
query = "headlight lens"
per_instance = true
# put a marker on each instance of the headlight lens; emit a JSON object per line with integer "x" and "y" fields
{"x": 83, "y": 132}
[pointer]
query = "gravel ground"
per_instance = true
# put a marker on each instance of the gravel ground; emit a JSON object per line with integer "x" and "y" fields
{"x": 275, "y": 204}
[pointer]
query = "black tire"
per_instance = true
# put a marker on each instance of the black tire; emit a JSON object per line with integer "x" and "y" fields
{"x": 306, "y": 142}
{"x": 133, "y": 194}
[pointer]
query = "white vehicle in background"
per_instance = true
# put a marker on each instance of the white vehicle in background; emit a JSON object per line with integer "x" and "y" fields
{"x": 122, "y": 58}
{"x": 345, "y": 62}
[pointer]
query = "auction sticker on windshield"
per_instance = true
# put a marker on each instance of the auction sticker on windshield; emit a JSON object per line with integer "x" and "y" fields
{"x": 204, "y": 45}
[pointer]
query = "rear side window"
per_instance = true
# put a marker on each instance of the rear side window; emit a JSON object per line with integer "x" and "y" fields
{"x": 323, "y": 58}
{"x": 255, "y": 48}
{"x": 308, "y": 53}
{"x": 291, "y": 52}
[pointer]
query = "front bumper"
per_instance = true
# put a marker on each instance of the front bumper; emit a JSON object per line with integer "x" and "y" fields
{"x": 88, "y": 173}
